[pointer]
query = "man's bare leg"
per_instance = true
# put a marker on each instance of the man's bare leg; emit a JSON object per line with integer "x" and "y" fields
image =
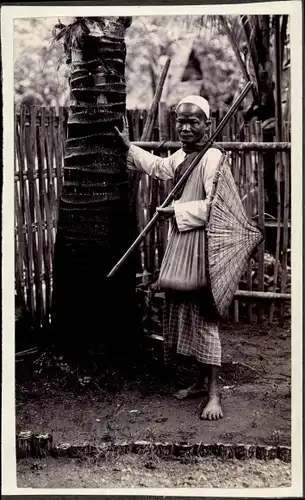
{"x": 200, "y": 387}
{"x": 213, "y": 410}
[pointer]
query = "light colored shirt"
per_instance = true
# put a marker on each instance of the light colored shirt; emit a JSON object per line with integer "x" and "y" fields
{"x": 189, "y": 214}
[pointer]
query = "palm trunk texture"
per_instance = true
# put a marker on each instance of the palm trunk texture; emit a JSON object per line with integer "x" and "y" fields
{"x": 94, "y": 224}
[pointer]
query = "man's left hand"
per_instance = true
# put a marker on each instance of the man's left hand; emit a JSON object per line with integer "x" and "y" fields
{"x": 166, "y": 212}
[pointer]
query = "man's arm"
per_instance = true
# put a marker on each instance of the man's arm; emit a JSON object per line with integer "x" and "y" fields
{"x": 143, "y": 161}
{"x": 155, "y": 166}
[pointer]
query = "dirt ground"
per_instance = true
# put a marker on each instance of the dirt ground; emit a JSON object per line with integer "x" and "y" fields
{"x": 139, "y": 405}
{"x": 132, "y": 471}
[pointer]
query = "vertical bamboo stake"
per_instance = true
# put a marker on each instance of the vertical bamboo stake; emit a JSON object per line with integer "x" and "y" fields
{"x": 49, "y": 242}
{"x": 144, "y": 207}
{"x": 153, "y": 197}
{"x": 163, "y": 225}
{"x": 285, "y": 239}
{"x": 136, "y": 123}
{"x": 160, "y": 233}
{"x": 236, "y": 170}
{"x": 149, "y": 126}
{"x": 129, "y": 123}
{"x": 238, "y": 166}
{"x": 235, "y": 167}
{"x": 141, "y": 220}
{"x": 21, "y": 222}
{"x": 261, "y": 221}
{"x": 35, "y": 215}
{"x": 51, "y": 168}
{"x": 145, "y": 113}
{"x": 42, "y": 214}
{"x": 236, "y": 310}
{"x": 279, "y": 137}
{"x": 141, "y": 122}
{"x": 155, "y": 186}
{"x": 213, "y": 124}
{"x": 243, "y": 188}
{"x": 246, "y": 172}
{"x": 60, "y": 144}
{"x": 56, "y": 149}
{"x": 173, "y": 124}
{"x": 249, "y": 213}
{"x": 38, "y": 260}
{"x": 27, "y": 214}
{"x": 19, "y": 245}
{"x": 28, "y": 205}
{"x": 50, "y": 180}
{"x": 45, "y": 216}
{"x": 278, "y": 232}
{"x": 39, "y": 209}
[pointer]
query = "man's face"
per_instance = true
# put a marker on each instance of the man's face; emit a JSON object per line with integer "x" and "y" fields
{"x": 190, "y": 123}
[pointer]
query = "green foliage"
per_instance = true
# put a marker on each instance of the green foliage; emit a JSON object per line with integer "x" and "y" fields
{"x": 221, "y": 73}
{"x": 219, "y": 43}
{"x": 39, "y": 71}
{"x": 175, "y": 37}
{"x": 253, "y": 39}
{"x": 41, "y": 75}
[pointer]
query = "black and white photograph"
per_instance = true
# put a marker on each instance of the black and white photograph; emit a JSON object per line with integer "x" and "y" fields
{"x": 152, "y": 316}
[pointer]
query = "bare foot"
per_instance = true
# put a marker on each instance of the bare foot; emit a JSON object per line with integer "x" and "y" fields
{"x": 212, "y": 410}
{"x": 192, "y": 391}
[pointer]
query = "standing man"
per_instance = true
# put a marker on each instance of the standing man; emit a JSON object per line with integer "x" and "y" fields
{"x": 189, "y": 326}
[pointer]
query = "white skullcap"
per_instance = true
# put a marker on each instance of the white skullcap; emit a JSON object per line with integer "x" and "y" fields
{"x": 199, "y": 101}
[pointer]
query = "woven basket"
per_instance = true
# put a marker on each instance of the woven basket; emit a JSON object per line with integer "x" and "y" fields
{"x": 231, "y": 239}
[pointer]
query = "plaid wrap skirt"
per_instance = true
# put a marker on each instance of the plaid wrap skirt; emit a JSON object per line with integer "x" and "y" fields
{"x": 190, "y": 327}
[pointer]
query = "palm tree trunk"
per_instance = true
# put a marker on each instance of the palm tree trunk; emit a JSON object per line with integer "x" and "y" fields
{"x": 94, "y": 223}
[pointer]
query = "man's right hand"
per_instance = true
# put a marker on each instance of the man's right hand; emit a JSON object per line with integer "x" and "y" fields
{"x": 123, "y": 136}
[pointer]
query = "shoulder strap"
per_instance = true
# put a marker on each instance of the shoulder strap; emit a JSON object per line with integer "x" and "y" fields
{"x": 184, "y": 166}
{"x": 180, "y": 171}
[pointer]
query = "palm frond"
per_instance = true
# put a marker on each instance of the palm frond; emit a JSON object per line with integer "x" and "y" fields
{"x": 246, "y": 74}
{"x": 59, "y": 32}
{"x": 210, "y": 23}
{"x": 252, "y": 39}
{"x": 237, "y": 30}
{"x": 245, "y": 20}
{"x": 249, "y": 33}
{"x": 284, "y": 26}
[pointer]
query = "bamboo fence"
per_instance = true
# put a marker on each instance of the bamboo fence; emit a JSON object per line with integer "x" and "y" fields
{"x": 39, "y": 149}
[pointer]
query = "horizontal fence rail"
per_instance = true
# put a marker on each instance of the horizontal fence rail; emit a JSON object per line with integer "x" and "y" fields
{"x": 227, "y": 146}
{"x": 39, "y": 151}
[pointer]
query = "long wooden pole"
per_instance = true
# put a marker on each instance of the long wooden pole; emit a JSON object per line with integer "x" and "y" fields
{"x": 135, "y": 177}
{"x": 148, "y": 128}
{"x": 183, "y": 178}
{"x": 149, "y": 125}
